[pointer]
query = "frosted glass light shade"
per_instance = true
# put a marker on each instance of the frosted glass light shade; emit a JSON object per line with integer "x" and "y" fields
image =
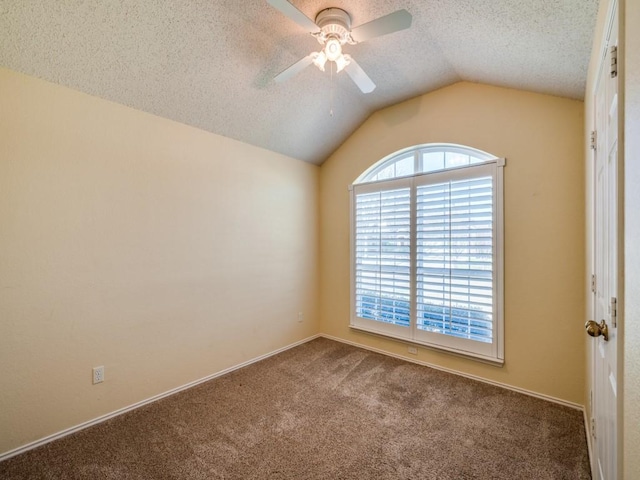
{"x": 320, "y": 59}
{"x": 341, "y": 62}
{"x": 333, "y": 49}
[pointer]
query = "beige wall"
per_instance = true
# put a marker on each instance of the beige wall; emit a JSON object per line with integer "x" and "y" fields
{"x": 631, "y": 351}
{"x": 542, "y": 139}
{"x": 160, "y": 251}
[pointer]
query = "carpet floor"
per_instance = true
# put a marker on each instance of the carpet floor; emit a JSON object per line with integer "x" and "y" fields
{"x": 325, "y": 410}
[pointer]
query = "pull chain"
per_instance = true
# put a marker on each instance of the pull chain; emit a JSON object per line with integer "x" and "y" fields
{"x": 331, "y": 90}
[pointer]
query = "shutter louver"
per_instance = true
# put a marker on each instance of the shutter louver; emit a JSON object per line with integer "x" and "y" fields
{"x": 383, "y": 256}
{"x": 455, "y": 245}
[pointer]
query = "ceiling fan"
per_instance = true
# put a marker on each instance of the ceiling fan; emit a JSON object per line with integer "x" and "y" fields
{"x": 332, "y": 29}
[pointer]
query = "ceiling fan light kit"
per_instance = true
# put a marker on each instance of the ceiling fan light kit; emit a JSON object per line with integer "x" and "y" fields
{"x": 332, "y": 29}
{"x": 335, "y": 31}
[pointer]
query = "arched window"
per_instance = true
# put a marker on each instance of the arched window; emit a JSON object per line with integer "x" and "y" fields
{"x": 427, "y": 249}
{"x": 423, "y": 159}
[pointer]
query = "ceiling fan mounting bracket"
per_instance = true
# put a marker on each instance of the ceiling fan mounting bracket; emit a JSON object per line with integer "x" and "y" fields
{"x": 334, "y": 23}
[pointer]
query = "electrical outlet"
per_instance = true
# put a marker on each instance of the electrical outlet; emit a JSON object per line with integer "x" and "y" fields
{"x": 300, "y": 317}
{"x": 413, "y": 350}
{"x": 98, "y": 374}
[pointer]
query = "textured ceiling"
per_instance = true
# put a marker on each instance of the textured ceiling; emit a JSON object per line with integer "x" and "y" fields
{"x": 210, "y": 63}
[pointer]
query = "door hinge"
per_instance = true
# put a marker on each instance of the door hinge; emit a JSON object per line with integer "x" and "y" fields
{"x": 614, "y": 311}
{"x": 593, "y": 139}
{"x": 593, "y": 283}
{"x": 593, "y": 427}
{"x": 614, "y": 61}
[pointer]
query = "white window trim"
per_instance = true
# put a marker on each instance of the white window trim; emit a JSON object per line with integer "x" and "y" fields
{"x": 496, "y": 354}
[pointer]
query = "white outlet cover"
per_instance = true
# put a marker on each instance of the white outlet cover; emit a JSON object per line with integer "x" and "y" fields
{"x": 98, "y": 374}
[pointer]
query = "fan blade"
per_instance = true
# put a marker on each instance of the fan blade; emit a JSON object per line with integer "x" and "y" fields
{"x": 294, "y": 14}
{"x": 360, "y": 78}
{"x": 382, "y": 26}
{"x": 294, "y": 69}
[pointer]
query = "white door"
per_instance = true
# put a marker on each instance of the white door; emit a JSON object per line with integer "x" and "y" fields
{"x": 604, "y": 428}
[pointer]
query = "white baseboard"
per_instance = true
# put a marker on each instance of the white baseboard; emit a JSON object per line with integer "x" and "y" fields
{"x": 542, "y": 396}
{"x": 120, "y": 411}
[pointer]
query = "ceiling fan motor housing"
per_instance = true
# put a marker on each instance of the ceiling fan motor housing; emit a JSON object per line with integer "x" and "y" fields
{"x": 334, "y": 23}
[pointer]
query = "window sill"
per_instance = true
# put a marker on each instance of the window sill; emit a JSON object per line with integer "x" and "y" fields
{"x": 496, "y": 362}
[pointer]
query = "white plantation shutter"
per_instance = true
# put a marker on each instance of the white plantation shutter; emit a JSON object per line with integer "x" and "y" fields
{"x": 383, "y": 256}
{"x": 427, "y": 254}
{"x": 454, "y": 223}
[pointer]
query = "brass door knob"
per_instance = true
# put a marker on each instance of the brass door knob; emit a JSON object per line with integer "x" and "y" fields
{"x": 595, "y": 330}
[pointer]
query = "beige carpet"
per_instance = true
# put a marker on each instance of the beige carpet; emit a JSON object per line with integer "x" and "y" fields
{"x": 325, "y": 410}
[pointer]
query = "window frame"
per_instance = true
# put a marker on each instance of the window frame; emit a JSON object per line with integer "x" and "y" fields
{"x": 488, "y": 166}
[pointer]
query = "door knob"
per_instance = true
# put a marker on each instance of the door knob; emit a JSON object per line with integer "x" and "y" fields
{"x": 595, "y": 330}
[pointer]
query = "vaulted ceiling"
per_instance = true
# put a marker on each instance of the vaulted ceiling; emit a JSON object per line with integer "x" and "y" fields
{"x": 211, "y": 63}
